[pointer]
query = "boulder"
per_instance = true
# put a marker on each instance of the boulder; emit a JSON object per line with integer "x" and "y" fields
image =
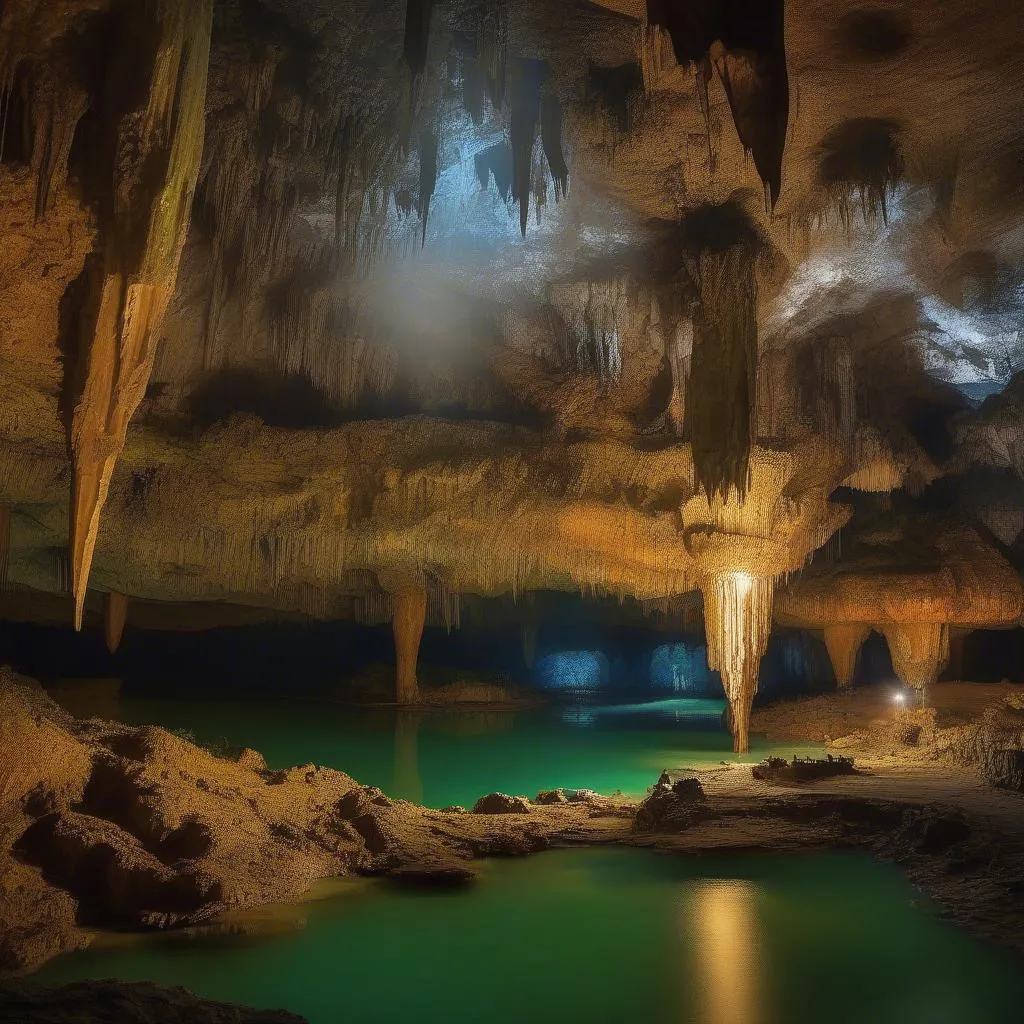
{"x": 500, "y": 803}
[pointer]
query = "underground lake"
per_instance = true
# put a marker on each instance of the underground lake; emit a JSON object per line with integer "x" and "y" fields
{"x": 422, "y": 755}
{"x": 597, "y": 935}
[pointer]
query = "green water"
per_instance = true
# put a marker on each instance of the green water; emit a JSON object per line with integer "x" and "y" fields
{"x": 452, "y": 757}
{"x": 605, "y": 935}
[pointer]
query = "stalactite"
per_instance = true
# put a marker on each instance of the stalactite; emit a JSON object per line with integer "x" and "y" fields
{"x": 679, "y": 352}
{"x": 747, "y": 42}
{"x": 919, "y": 651}
{"x": 738, "y": 620}
{"x": 551, "y": 138}
{"x": 429, "y": 144}
{"x": 722, "y": 394}
{"x": 58, "y": 104}
{"x": 115, "y": 614}
{"x": 474, "y": 79}
{"x": 492, "y": 49}
{"x": 410, "y": 610}
{"x": 843, "y": 642}
{"x": 863, "y": 155}
{"x": 496, "y": 160}
{"x": 527, "y": 79}
{"x": 156, "y": 150}
{"x": 418, "y": 16}
{"x": 836, "y": 394}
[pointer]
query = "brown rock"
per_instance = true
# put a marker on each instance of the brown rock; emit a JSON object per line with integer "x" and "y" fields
{"x": 500, "y": 803}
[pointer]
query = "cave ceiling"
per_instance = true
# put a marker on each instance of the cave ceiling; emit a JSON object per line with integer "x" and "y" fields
{"x": 303, "y": 300}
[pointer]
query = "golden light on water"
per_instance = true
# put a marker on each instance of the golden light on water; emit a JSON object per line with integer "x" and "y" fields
{"x": 725, "y": 945}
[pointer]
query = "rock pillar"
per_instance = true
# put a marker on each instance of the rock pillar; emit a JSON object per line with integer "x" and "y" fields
{"x": 843, "y": 643}
{"x": 115, "y": 612}
{"x": 738, "y": 620}
{"x": 410, "y": 613}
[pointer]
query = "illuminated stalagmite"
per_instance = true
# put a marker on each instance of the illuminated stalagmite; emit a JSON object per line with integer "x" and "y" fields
{"x": 738, "y": 620}
{"x": 155, "y": 145}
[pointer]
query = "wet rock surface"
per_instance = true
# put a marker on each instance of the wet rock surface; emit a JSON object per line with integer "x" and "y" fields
{"x": 106, "y": 825}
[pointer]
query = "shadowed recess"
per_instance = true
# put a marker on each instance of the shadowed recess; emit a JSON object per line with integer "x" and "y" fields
{"x": 874, "y": 35}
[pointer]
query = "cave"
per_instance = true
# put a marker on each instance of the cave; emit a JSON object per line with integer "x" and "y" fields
{"x": 511, "y": 510}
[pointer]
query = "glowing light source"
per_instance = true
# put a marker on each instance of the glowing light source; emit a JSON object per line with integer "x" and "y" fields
{"x": 899, "y": 698}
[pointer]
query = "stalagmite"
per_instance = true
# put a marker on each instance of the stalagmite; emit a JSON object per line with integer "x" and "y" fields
{"x": 738, "y": 621}
{"x": 115, "y": 612}
{"x": 919, "y": 651}
{"x": 843, "y": 642}
{"x": 155, "y": 151}
{"x": 410, "y": 612}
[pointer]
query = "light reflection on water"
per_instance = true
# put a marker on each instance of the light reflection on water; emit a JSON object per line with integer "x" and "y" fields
{"x": 722, "y": 921}
{"x": 602, "y": 936}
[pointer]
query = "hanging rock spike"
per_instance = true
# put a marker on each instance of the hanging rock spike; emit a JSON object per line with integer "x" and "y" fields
{"x": 137, "y": 265}
{"x": 115, "y": 614}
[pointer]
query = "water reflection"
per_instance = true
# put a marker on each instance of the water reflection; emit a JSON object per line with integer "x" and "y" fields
{"x": 408, "y": 784}
{"x": 725, "y": 943}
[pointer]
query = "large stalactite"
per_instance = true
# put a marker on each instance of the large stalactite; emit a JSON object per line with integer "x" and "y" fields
{"x": 154, "y": 147}
{"x": 738, "y": 620}
{"x": 919, "y": 650}
{"x": 721, "y": 395}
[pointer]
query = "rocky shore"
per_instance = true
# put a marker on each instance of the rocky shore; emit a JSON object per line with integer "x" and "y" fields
{"x": 105, "y": 825}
